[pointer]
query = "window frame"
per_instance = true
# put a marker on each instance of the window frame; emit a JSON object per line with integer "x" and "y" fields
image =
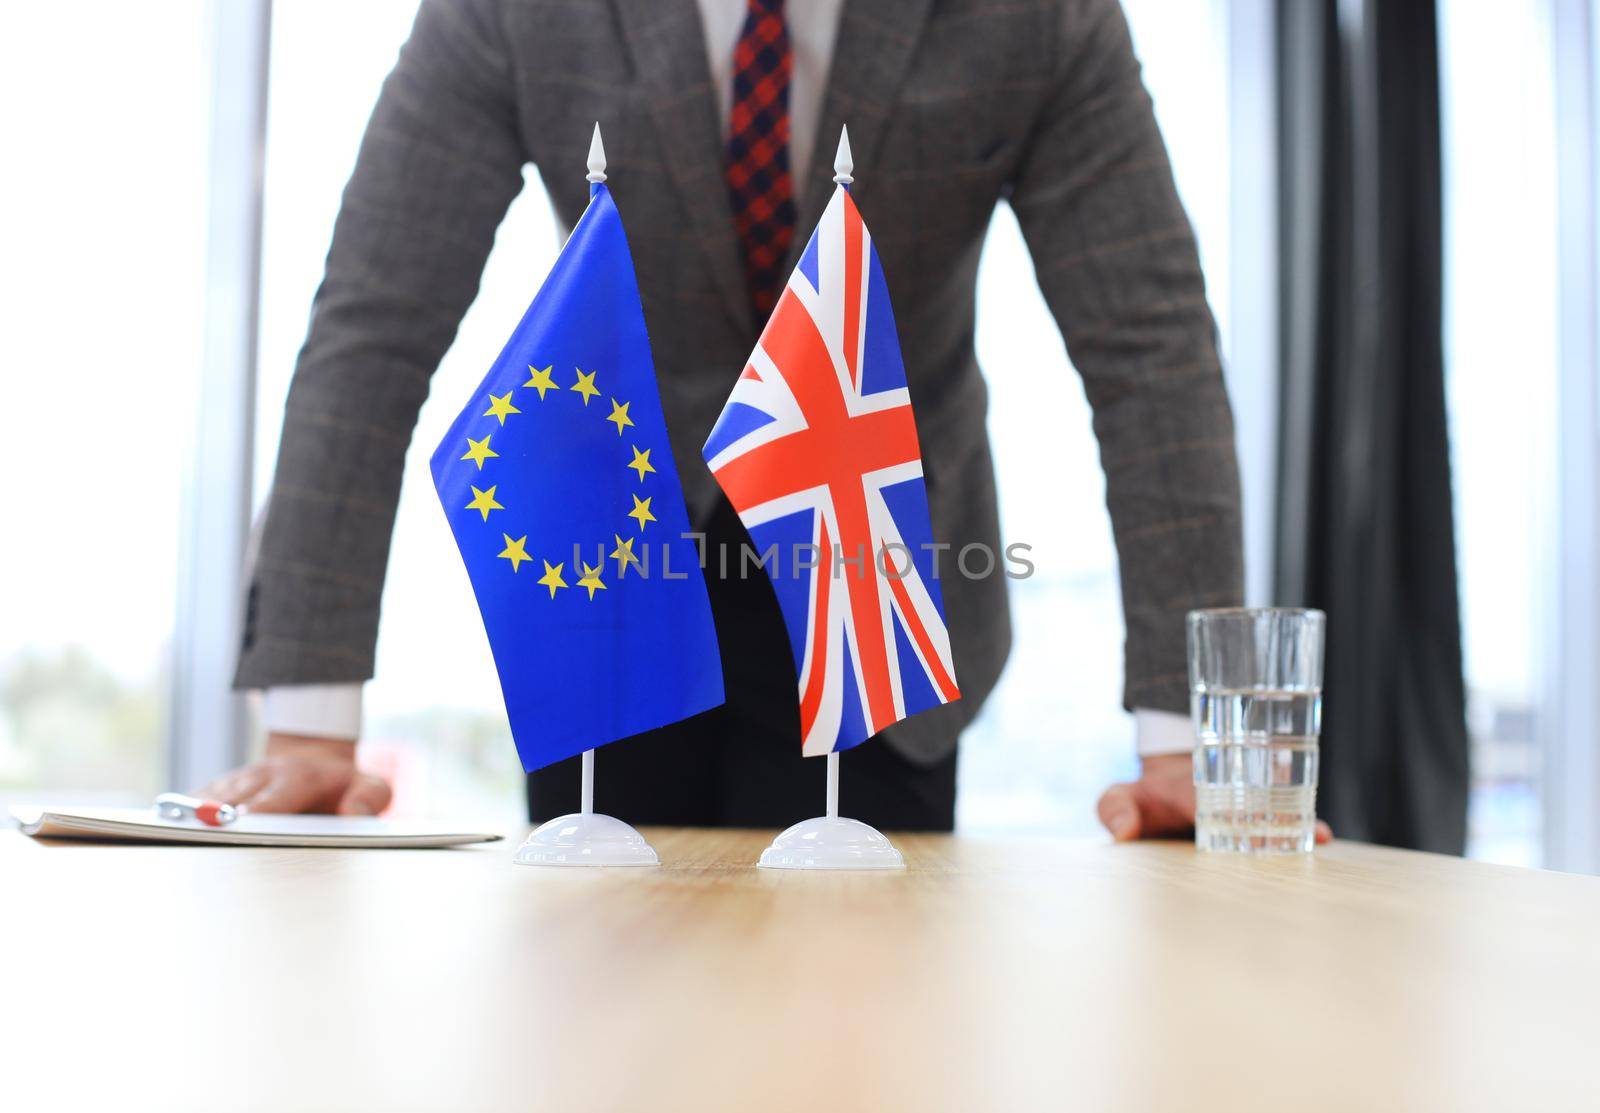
{"x": 207, "y": 726}
{"x": 1570, "y": 787}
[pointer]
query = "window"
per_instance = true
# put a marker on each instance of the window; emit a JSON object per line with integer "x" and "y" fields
{"x": 1054, "y": 734}
{"x": 105, "y": 290}
{"x": 435, "y": 724}
{"x": 102, "y": 207}
{"x": 1501, "y": 360}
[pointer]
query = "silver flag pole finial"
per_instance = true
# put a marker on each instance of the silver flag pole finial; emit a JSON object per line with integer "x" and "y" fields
{"x": 844, "y": 163}
{"x": 597, "y": 157}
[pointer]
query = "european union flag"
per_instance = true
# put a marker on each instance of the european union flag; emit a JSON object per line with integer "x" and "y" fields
{"x": 559, "y": 485}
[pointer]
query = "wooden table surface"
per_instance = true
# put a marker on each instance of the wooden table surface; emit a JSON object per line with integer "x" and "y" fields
{"x": 988, "y": 976}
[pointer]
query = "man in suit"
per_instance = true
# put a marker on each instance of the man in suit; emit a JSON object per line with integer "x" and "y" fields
{"x": 954, "y": 105}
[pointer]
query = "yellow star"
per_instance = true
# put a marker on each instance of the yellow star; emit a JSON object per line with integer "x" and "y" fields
{"x": 514, "y": 551}
{"x": 623, "y": 553}
{"x": 641, "y": 462}
{"x": 641, "y": 511}
{"x": 541, "y": 380}
{"x": 479, "y": 451}
{"x": 585, "y": 385}
{"x": 483, "y": 502}
{"x": 500, "y": 406}
{"x": 619, "y": 414}
{"x": 591, "y": 579}
{"x": 552, "y": 578}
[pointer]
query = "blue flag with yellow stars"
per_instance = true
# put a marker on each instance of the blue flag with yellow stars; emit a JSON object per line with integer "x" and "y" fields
{"x": 559, "y": 485}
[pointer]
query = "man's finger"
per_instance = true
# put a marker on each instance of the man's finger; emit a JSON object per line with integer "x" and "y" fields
{"x": 1166, "y": 806}
{"x": 281, "y": 794}
{"x": 236, "y": 787}
{"x": 1119, "y": 811}
{"x": 367, "y": 795}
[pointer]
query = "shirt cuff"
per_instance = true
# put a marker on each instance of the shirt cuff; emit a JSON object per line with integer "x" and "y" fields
{"x": 1162, "y": 732}
{"x": 314, "y": 710}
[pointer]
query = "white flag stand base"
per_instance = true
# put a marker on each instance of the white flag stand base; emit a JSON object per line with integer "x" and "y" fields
{"x": 831, "y": 843}
{"x": 584, "y": 838}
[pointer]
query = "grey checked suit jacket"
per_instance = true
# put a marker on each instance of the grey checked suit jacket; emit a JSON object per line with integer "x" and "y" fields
{"x": 952, "y": 106}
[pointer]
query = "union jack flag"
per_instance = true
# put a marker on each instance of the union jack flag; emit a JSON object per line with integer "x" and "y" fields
{"x": 817, "y": 451}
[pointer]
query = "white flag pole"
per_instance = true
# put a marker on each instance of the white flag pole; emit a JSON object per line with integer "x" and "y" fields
{"x": 833, "y": 785}
{"x": 597, "y": 173}
{"x": 829, "y": 842}
{"x": 585, "y": 838}
{"x": 597, "y": 156}
{"x": 844, "y": 166}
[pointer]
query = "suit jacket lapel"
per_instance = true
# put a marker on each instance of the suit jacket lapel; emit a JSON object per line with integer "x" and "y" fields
{"x": 870, "y": 57}
{"x": 667, "y": 45}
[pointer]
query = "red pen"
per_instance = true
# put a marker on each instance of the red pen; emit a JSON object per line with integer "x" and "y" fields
{"x": 175, "y": 805}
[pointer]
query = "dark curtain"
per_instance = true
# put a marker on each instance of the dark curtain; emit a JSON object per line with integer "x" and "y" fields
{"x": 1365, "y": 525}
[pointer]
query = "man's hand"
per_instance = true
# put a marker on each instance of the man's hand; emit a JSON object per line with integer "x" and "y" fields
{"x": 299, "y": 774}
{"x": 1160, "y": 803}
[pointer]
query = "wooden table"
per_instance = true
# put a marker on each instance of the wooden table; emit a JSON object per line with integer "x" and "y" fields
{"x": 989, "y": 976}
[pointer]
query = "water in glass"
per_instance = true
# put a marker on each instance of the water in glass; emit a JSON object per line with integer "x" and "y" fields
{"x": 1255, "y": 769}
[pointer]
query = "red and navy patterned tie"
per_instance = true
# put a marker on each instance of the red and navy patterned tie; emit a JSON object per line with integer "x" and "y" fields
{"x": 758, "y": 151}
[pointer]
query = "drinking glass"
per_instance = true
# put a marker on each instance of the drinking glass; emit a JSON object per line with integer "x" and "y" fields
{"x": 1255, "y": 693}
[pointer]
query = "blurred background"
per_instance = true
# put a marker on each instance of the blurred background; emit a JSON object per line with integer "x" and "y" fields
{"x": 175, "y": 170}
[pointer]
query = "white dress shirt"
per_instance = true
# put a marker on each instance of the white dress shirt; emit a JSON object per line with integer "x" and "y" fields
{"x": 334, "y": 710}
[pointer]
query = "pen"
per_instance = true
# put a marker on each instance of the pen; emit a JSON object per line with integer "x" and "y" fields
{"x": 175, "y": 805}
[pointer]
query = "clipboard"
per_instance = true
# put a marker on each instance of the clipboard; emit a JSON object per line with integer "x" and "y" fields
{"x": 144, "y": 825}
